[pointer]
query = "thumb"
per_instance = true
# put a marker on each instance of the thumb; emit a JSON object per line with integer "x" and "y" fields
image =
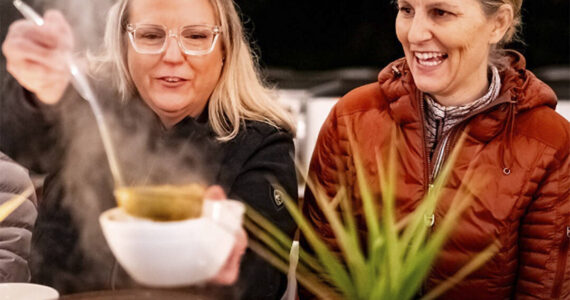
{"x": 215, "y": 192}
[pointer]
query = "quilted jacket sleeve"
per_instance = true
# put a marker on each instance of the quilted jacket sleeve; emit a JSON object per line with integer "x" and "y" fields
{"x": 16, "y": 229}
{"x": 544, "y": 238}
{"x": 323, "y": 171}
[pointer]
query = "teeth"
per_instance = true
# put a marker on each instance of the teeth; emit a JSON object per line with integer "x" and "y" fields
{"x": 430, "y": 63}
{"x": 429, "y": 55}
{"x": 430, "y": 58}
{"x": 171, "y": 79}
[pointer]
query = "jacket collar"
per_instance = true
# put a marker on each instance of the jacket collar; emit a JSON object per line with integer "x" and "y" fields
{"x": 520, "y": 92}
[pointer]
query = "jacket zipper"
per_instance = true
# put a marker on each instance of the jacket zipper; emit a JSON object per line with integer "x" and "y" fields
{"x": 439, "y": 159}
{"x": 438, "y": 162}
{"x": 441, "y": 152}
{"x": 428, "y": 184}
{"x": 561, "y": 267}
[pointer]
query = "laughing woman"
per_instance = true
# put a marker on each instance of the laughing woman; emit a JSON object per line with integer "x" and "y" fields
{"x": 456, "y": 80}
{"x": 188, "y": 64}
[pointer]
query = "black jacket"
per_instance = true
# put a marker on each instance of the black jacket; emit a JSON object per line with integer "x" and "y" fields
{"x": 70, "y": 253}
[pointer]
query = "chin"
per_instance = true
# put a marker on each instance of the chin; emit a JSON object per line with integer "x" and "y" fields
{"x": 169, "y": 102}
{"x": 428, "y": 86}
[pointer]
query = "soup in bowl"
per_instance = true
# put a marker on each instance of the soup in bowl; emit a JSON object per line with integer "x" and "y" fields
{"x": 162, "y": 202}
{"x": 159, "y": 253}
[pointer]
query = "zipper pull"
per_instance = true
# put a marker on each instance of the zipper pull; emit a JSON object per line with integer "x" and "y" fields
{"x": 429, "y": 219}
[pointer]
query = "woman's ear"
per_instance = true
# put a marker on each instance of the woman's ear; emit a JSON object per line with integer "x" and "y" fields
{"x": 502, "y": 21}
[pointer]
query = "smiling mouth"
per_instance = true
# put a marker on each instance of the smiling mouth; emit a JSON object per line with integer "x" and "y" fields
{"x": 172, "y": 79}
{"x": 430, "y": 59}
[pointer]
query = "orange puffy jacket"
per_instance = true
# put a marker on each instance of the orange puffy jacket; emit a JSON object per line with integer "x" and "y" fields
{"x": 519, "y": 146}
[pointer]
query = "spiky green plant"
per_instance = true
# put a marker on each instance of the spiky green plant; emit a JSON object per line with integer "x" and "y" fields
{"x": 11, "y": 205}
{"x": 399, "y": 253}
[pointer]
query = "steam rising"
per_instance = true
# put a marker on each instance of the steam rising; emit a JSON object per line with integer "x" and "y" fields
{"x": 145, "y": 156}
{"x": 144, "y": 159}
{"x": 86, "y": 17}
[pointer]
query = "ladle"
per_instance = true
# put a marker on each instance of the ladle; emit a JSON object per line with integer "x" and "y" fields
{"x": 162, "y": 202}
{"x": 81, "y": 84}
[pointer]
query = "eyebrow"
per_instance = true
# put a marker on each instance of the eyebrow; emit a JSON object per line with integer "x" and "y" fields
{"x": 443, "y": 4}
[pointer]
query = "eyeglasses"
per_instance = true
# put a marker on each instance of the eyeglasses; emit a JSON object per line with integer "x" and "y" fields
{"x": 193, "y": 39}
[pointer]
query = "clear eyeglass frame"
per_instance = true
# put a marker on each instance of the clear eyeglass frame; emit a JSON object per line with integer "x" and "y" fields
{"x": 173, "y": 33}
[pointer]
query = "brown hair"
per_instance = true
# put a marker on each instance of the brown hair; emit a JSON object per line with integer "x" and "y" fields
{"x": 490, "y": 7}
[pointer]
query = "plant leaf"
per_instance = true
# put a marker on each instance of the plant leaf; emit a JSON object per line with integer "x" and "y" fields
{"x": 330, "y": 262}
{"x": 307, "y": 279}
{"x": 475, "y": 263}
{"x": 11, "y": 205}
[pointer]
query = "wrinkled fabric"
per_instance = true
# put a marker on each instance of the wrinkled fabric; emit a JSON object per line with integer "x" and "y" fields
{"x": 16, "y": 229}
{"x": 514, "y": 160}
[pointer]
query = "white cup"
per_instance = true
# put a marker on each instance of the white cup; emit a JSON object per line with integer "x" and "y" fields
{"x": 177, "y": 253}
{"x": 26, "y": 291}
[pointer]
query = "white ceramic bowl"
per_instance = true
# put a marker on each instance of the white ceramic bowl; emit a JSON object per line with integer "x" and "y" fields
{"x": 26, "y": 291}
{"x": 172, "y": 254}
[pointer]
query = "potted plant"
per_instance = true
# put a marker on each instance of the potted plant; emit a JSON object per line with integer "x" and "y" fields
{"x": 397, "y": 255}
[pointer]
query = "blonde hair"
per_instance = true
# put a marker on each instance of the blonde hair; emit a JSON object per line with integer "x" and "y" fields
{"x": 239, "y": 95}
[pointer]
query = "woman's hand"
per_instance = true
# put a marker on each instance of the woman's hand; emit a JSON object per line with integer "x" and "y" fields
{"x": 36, "y": 55}
{"x": 230, "y": 271}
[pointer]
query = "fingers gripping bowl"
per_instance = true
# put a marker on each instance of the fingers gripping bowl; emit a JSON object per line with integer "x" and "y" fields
{"x": 174, "y": 253}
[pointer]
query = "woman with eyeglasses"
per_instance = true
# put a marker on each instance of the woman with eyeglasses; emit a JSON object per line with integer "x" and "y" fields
{"x": 190, "y": 64}
{"x": 457, "y": 83}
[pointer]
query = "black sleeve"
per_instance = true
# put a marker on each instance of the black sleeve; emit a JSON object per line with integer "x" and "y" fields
{"x": 28, "y": 129}
{"x": 269, "y": 164}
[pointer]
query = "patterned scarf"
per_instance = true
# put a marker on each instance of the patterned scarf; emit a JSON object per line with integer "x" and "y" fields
{"x": 440, "y": 119}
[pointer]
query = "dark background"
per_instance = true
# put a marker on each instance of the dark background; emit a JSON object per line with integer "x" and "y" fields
{"x": 314, "y": 35}
{"x": 317, "y": 35}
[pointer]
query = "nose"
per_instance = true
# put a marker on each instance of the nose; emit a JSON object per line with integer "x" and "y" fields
{"x": 172, "y": 53}
{"x": 420, "y": 30}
